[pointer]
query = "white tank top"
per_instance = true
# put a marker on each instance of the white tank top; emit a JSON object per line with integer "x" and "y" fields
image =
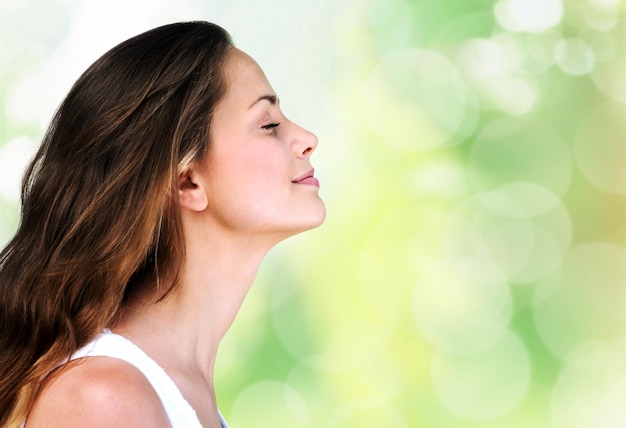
{"x": 178, "y": 410}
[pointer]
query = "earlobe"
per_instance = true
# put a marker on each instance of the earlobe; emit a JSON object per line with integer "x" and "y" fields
{"x": 191, "y": 193}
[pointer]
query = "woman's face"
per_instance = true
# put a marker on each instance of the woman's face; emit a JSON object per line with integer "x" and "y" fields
{"x": 258, "y": 170}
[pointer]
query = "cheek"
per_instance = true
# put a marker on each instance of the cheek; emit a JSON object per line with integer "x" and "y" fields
{"x": 260, "y": 165}
{"x": 249, "y": 180}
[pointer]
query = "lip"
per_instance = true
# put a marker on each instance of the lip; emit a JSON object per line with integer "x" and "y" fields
{"x": 308, "y": 179}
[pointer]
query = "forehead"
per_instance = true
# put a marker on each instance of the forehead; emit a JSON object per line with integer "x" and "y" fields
{"x": 246, "y": 81}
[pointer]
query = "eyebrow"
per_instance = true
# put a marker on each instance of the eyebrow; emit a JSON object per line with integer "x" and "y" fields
{"x": 273, "y": 100}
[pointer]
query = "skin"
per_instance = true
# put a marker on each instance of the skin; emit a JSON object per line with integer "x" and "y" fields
{"x": 237, "y": 203}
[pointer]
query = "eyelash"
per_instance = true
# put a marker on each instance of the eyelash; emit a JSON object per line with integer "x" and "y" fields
{"x": 270, "y": 126}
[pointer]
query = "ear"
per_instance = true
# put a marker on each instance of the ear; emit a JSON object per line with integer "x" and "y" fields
{"x": 191, "y": 192}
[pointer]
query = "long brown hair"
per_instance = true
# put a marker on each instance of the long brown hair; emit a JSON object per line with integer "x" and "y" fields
{"x": 99, "y": 213}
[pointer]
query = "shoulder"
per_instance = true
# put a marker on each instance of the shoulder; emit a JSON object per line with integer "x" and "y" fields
{"x": 97, "y": 392}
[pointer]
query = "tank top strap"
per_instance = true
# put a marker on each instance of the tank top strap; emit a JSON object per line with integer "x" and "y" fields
{"x": 108, "y": 344}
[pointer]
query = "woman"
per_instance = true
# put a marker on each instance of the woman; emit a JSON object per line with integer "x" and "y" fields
{"x": 165, "y": 177}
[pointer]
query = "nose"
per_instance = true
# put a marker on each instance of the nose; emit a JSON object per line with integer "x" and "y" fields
{"x": 304, "y": 142}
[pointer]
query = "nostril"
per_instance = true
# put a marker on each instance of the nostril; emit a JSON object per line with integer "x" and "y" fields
{"x": 307, "y": 150}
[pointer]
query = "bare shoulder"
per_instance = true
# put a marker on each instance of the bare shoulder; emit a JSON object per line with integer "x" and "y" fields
{"x": 98, "y": 392}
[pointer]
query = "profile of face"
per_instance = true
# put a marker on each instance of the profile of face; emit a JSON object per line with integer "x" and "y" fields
{"x": 257, "y": 172}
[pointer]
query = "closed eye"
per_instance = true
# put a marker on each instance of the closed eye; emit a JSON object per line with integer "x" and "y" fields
{"x": 270, "y": 126}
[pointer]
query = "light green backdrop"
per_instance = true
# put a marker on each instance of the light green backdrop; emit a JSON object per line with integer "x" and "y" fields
{"x": 472, "y": 269}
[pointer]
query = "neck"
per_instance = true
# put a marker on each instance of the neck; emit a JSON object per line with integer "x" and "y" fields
{"x": 182, "y": 332}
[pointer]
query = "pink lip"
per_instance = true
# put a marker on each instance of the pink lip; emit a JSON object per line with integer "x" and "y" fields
{"x": 308, "y": 179}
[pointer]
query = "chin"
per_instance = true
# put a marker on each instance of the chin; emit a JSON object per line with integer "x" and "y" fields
{"x": 313, "y": 218}
{"x": 317, "y": 216}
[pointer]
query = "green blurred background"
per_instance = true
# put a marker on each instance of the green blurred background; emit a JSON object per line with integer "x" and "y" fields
{"x": 471, "y": 271}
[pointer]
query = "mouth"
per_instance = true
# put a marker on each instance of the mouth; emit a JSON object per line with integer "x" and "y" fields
{"x": 307, "y": 179}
